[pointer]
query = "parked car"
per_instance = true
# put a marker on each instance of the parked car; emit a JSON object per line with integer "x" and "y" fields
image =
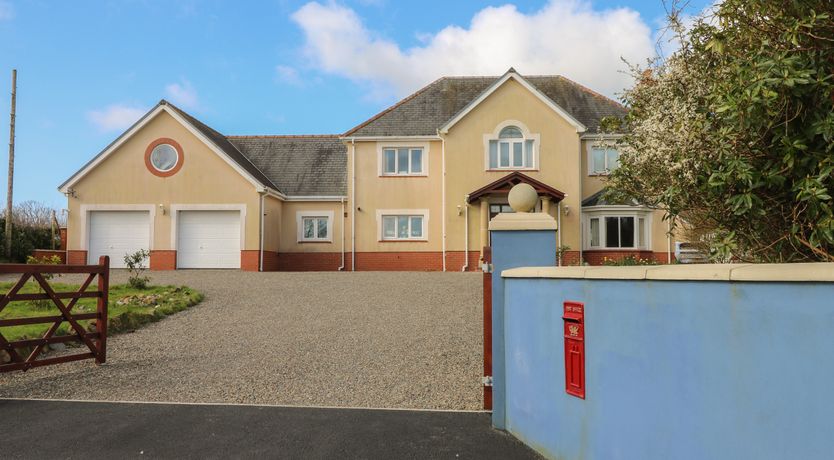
{"x": 687, "y": 253}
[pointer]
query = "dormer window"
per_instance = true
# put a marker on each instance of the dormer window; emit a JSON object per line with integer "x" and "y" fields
{"x": 512, "y": 150}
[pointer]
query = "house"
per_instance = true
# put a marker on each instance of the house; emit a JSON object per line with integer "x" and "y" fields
{"x": 412, "y": 188}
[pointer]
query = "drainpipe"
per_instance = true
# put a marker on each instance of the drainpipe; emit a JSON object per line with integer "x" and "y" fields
{"x": 559, "y": 230}
{"x": 579, "y": 214}
{"x": 466, "y": 234}
{"x": 443, "y": 197}
{"x": 342, "y": 267}
{"x": 353, "y": 205}
{"x": 261, "y": 254}
{"x": 669, "y": 241}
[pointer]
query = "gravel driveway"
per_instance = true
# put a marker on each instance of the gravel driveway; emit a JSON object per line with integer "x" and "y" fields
{"x": 365, "y": 339}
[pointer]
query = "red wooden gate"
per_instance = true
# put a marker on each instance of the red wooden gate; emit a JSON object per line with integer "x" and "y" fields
{"x": 95, "y": 342}
{"x": 487, "y": 269}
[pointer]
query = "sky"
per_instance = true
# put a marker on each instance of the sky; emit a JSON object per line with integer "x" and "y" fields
{"x": 88, "y": 69}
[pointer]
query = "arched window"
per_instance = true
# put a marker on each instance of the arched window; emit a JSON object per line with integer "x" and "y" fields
{"x": 511, "y": 150}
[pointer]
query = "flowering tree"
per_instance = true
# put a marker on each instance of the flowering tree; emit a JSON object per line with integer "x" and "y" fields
{"x": 733, "y": 134}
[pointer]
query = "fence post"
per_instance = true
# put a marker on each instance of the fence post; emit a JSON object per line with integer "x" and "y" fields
{"x": 487, "y": 280}
{"x": 101, "y": 308}
{"x": 520, "y": 239}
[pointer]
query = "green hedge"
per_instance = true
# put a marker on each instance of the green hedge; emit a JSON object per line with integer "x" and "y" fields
{"x": 25, "y": 240}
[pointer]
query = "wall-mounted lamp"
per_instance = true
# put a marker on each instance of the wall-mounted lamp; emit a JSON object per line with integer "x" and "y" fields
{"x": 460, "y": 210}
{"x": 567, "y": 210}
{"x": 162, "y": 209}
{"x": 70, "y": 193}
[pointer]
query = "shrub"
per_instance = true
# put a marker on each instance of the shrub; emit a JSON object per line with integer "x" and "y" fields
{"x": 26, "y": 238}
{"x": 136, "y": 265}
{"x": 50, "y": 260}
{"x": 627, "y": 261}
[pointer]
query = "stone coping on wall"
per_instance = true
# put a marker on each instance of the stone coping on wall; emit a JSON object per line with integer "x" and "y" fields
{"x": 522, "y": 221}
{"x": 800, "y": 272}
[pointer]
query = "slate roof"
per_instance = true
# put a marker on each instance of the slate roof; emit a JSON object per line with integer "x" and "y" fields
{"x": 425, "y": 111}
{"x": 299, "y": 165}
{"x": 601, "y": 199}
{"x": 223, "y": 143}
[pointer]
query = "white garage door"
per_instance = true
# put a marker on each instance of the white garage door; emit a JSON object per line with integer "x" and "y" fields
{"x": 116, "y": 233}
{"x": 208, "y": 239}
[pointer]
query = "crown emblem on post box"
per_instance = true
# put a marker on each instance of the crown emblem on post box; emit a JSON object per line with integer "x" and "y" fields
{"x": 574, "y": 330}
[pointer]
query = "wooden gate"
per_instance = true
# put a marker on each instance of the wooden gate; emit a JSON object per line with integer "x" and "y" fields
{"x": 95, "y": 342}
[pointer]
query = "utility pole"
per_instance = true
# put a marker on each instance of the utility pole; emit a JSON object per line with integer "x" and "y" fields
{"x": 11, "y": 170}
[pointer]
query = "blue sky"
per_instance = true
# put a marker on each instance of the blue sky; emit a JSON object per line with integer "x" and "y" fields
{"x": 86, "y": 70}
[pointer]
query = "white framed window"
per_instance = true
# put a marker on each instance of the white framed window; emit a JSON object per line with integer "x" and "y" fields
{"x": 314, "y": 226}
{"x": 511, "y": 149}
{"x": 602, "y": 159}
{"x": 403, "y": 224}
{"x": 617, "y": 230}
{"x": 403, "y": 160}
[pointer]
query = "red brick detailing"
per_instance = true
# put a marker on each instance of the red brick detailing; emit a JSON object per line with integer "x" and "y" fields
{"x": 250, "y": 260}
{"x": 152, "y": 168}
{"x": 454, "y": 261}
{"x": 270, "y": 261}
{"x": 399, "y": 261}
{"x": 63, "y": 234}
{"x": 46, "y": 253}
{"x": 570, "y": 258}
{"x": 76, "y": 257}
{"x": 596, "y": 257}
{"x": 163, "y": 260}
{"x": 310, "y": 261}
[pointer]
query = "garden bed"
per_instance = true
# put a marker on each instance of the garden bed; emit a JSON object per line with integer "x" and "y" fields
{"x": 129, "y": 308}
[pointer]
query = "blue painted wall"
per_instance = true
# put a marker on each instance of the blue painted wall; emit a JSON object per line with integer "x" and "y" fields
{"x": 674, "y": 369}
{"x": 512, "y": 249}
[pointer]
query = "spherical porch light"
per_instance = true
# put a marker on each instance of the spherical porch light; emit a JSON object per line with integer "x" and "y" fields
{"x": 523, "y": 197}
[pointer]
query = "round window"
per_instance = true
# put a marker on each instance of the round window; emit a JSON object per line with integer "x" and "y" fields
{"x": 164, "y": 157}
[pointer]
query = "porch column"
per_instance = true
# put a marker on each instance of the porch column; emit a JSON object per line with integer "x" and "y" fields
{"x": 546, "y": 204}
{"x": 484, "y": 227}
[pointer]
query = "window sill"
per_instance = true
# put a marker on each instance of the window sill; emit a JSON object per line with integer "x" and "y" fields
{"x": 598, "y": 174}
{"x": 400, "y": 176}
{"x": 597, "y": 249}
{"x": 510, "y": 169}
{"x": 314, "y": 241}
{"x": 404, "y": 241}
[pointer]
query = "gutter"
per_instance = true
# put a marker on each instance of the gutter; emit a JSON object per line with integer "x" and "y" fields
{"x": 581, "y": 194}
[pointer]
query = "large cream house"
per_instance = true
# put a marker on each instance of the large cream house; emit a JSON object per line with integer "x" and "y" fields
{"x": 412, "y": 188}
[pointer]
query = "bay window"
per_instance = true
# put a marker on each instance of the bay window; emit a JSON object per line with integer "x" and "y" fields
{"x": 607, "y": 231}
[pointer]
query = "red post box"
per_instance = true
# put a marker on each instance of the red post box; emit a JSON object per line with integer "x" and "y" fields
{"x": 574, "y": 319}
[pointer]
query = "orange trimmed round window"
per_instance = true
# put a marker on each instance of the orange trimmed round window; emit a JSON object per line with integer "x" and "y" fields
{"x": 164, "y": 157}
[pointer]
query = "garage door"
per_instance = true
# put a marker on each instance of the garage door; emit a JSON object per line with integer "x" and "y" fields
{"x": 208, "y": 239}
{"x": 116, "y": 233}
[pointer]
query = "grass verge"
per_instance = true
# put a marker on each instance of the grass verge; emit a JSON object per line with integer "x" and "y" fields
{"x": 129, "y": 308}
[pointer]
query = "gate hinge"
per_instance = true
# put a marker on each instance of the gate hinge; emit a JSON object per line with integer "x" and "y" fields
{"x": 487, "y": 381}
{"x": 486, "y": 267}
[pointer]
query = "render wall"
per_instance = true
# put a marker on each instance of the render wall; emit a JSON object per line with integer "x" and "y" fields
{"x": 709, "y": 365}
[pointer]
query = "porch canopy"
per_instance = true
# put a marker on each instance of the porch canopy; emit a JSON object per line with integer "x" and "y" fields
{"x": 503, "y": 185}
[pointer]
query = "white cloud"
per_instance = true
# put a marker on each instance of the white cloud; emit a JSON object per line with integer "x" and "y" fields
{"x": 6, "y": 11}
{"x": 115, "y": 117}
{"x": 288, "y": 74}
{"x": 183, "y": 94}
{"x": 566, "y": 37}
